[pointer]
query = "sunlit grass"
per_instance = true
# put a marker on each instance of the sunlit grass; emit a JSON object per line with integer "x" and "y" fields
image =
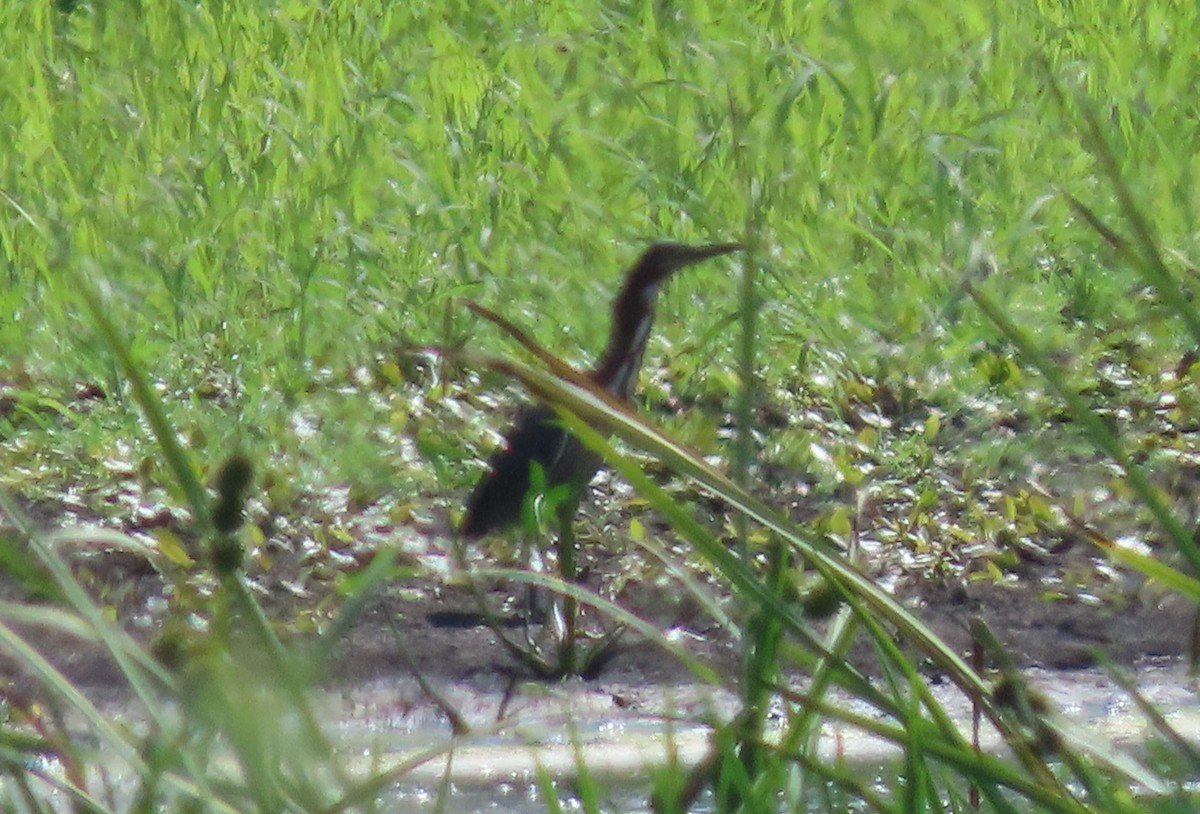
{"x": 267, "y": 205}
{"x": 304, "y": 189}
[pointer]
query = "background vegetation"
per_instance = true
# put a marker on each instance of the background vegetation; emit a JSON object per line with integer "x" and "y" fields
{"x": 271, "y": 201}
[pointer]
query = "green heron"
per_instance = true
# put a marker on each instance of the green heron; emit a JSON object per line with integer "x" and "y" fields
{"x": 537, "y": 437}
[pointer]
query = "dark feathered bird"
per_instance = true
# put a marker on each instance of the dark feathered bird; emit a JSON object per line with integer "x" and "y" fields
{"x": 536, "y": 436}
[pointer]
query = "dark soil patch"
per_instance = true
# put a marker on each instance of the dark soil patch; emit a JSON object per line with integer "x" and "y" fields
{"x": 1062, "y": 634}
{"x": 424, "y": 625}
{"x": 433, "y": 630}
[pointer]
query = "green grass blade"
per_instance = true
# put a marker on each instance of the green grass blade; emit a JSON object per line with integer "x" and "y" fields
{"x": 176, "y": 457}
{"x": 1100, "y": 434}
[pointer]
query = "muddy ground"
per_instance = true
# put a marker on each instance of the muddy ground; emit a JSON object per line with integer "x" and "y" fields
{"x": 421, "y": 625}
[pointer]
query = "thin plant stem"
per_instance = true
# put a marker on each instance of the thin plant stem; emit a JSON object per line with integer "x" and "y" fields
{"x": 567, "y": 571}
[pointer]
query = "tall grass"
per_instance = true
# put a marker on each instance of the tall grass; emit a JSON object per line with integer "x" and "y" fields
{"x": 225, "y": 218}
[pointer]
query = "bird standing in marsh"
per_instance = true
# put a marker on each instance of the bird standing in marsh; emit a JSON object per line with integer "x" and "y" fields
{"x": 538, "y": 440}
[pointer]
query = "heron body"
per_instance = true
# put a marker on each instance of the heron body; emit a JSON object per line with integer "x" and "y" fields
{"x": 537, "y": 436}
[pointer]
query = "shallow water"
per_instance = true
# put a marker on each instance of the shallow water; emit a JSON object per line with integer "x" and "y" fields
{"x": 539, "y": 737}
{"x": 573, "y": 725}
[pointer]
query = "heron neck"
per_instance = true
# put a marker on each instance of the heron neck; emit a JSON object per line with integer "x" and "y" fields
{"x": 633, "y": 315}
